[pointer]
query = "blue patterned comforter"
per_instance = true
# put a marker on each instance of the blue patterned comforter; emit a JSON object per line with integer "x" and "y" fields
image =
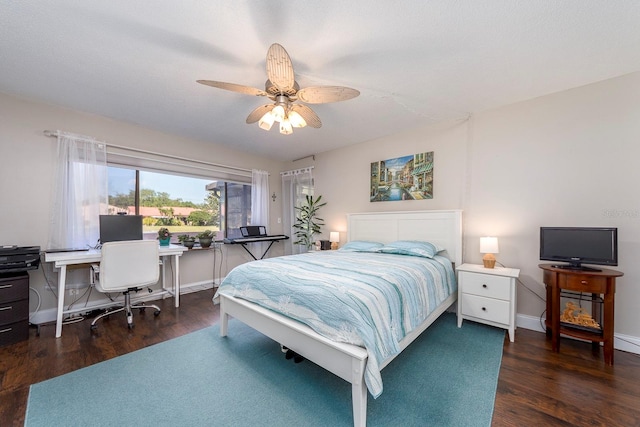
{"x": 367, "y": 299}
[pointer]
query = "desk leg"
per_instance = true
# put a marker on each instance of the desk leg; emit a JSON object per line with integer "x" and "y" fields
{"x": 163, "y": 271}
{"x": 62, "y": 278}
{"x": 176, "y": 280}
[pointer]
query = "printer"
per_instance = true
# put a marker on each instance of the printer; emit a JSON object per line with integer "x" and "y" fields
{"x": 19, "y": 258}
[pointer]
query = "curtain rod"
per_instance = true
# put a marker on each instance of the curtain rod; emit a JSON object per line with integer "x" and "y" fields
{"x": 55, "y": 134}
{"x": 296, "y": 171}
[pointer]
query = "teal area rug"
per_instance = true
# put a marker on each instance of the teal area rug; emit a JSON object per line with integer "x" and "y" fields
{"x": 447, "y": 377}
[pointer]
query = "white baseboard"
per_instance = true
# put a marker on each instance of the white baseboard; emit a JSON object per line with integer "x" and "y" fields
{"x": 530, "y": 322}
{"x": 620, "y": 342}
{"x": 49, "y": 315}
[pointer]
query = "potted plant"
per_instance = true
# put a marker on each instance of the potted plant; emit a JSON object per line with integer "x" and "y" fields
{"x": 205, "y": 238}
{"x": 164, "y": 236}
{"x": 307, "y": 222}
{"x": 186, "y": 240}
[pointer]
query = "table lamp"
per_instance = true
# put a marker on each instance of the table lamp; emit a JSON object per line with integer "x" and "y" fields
{"x": 489, "y": 246}
{"x": 334, "y": 238}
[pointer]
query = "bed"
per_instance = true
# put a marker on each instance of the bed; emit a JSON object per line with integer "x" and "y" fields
{"x": 354, "y": 361}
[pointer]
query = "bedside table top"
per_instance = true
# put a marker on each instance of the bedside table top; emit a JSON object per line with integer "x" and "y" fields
{"x": 497, "y": 271}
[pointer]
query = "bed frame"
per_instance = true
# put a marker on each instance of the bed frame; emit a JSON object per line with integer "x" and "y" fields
{"x": 347, "y": 361}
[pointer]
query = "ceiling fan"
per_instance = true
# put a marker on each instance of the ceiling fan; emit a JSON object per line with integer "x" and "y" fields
{"x": 284, "y": 91}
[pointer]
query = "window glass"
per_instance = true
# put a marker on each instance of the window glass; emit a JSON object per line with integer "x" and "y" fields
{"x": 180, "y": 203}
{"x": 235, "y": 207}
{"x": 122, "y": 190}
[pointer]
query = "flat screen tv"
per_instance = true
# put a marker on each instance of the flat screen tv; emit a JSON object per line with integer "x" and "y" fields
{"x": 116, "y": 228}
{"x": 579, "y": 245}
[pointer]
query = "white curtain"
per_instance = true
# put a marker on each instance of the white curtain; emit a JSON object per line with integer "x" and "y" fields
{"x": 260, "y": 197}
{"x": 260, "y": 202}
{"x": 296, "y": 185}
{"x": 80, "y": 192}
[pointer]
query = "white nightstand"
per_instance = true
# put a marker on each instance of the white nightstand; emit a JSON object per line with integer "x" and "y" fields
{"x": 488, "y": 295}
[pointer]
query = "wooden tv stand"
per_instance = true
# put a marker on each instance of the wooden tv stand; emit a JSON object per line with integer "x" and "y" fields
{"x": 596, "y": 283}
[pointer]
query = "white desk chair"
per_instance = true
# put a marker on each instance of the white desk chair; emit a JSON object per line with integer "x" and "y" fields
{"x": 126, "y": 267}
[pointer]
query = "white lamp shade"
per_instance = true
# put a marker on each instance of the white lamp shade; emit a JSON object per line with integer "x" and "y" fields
{"x": 285, "y": 127}
{"x": 489, "y": 245}
{"x": 278, "y": 113}
{"x": 296, "y": 120}
{"x": 334, "y": 237}
{"x": 266, "y": 121}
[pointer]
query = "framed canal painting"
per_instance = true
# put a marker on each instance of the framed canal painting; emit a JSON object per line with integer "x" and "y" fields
{"x": 402, "y": 178}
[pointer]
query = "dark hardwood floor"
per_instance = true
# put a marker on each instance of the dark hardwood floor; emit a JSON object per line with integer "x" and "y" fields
{"x": 536, "y": 387}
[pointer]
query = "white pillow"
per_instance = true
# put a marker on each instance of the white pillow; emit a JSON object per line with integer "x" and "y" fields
{"x": 361, "y": 246}
{"x": 411, "y": 248}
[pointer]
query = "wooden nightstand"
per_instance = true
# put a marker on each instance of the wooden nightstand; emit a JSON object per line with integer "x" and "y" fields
{"x": 488, "y": 295}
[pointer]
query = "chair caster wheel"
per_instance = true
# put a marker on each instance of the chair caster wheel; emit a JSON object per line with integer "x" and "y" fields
{"x": 130, "y": 325}
{"x": 156, "y": 313}
{"x": 142, "y": 309}
{"x": 94, "y": 327}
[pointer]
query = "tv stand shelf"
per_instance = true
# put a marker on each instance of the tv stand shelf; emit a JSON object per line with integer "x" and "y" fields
{"x": 603, "y": 282}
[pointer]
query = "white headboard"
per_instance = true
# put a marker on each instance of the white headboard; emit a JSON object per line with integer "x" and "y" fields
{"x": 441, "y": 227}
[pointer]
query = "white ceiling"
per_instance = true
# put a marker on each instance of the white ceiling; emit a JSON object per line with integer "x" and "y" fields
{"x": 414, "y": 61}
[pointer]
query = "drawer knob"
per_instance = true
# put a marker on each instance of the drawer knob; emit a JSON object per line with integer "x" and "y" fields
{"x": 584, "y": 282}
{"x": 484, "y": 285}
{"x": 484, "y": 308}
{"x": 5, "y": 286}
{"x": 6, "y": 308}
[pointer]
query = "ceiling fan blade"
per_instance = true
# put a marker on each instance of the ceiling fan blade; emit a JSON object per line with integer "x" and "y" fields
{"x": 257, "y": 114}
{"x": 308, "y": 115}
{"x": 247, "y": 90}
{"x": 280, "y": 68}
{"x": 325, "y": 94}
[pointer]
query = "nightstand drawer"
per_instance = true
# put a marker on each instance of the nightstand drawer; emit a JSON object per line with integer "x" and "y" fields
{"x": 486, "y": 308}
{"x": 485, "y": 285}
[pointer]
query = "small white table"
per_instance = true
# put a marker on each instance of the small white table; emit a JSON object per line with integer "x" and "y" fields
{"x": 61, "y": 260}
{"x": 488, "y": 295}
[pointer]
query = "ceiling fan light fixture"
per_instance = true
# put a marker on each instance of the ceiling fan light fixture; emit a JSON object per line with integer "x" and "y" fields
{"x": 285, "y": 127}
{"x": 278, "y": 113}
{"x": 285, "y": 92}
{"x": 266, "y": 121}
{"x": 296, "y": 120}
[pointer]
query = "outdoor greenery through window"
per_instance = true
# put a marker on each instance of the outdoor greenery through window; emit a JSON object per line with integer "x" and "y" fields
{"x": 185, "y": 205}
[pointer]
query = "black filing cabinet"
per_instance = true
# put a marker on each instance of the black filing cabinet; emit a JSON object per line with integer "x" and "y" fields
{"x": 14, "y": 308}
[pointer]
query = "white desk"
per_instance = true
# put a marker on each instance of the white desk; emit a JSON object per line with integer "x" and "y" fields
{"x": 62, "y": 259}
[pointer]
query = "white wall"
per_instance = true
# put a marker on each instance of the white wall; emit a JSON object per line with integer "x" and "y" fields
{"x": 565, "y": 159}
{"x": 27, "y": 160}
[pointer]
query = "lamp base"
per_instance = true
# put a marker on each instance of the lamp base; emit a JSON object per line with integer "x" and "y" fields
{"x": 334, "y": 246}
{"x": 489, "y": 261}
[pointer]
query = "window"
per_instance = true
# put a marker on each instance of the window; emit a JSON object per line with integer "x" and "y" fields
{"x": 184, "y": 204}
{"x": 235, "y": 207}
